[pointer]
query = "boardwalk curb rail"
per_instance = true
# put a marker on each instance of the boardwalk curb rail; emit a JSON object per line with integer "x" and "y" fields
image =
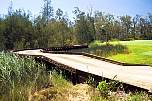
{"x": 67, "y": 67}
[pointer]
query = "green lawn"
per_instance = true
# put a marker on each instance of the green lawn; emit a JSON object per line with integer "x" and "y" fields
{"x": 140, "y": 51}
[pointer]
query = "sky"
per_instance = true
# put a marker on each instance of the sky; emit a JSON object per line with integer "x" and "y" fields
{"x": 115, "y": 7}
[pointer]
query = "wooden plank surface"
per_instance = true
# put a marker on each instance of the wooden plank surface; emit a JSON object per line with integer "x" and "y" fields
{"x": 140, "y": 76}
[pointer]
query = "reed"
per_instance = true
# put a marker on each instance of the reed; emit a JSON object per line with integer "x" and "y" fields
{"x": 20, "y": 77}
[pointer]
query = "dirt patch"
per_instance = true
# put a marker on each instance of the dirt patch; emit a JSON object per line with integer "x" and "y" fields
{"x": 79, "y": 92}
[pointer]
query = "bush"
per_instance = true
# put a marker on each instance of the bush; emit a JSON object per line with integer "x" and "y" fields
{"x": 106, "y": 87}
{"x": 106, "y": 50}
{"x": 19, "y": 77}
{"x": 95, "y": 44}
{"x": 103, "y": 88}
{"x": 139, "y": 96}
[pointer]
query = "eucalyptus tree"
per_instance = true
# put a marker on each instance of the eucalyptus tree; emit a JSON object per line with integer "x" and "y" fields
{"x": 145, "y": 28}
{"x": 135, "y": 27}
{"x": 2, "y": 39}
{"x": 150, "y": 25}
{"x": 126, "y": 26}
{"x": 41, "y": 25}
{"x": 18, "y": 30}
{"x": 60, "y": 30}
{"x": 82, "y": 27}
{"x": 99, "y": 24}
{"x": 40, "y": 37}
{"x": 59, "y": 14}
{"x": 48, "y": 11}
{"x": 91, "y": 26}
{"x": 104, "y": 24}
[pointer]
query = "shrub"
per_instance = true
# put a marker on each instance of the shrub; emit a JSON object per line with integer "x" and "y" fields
{"x": 139, "y": 96}
{"x": 106, "y": 50}
{"x": 106, "y": 87}
{"x": 103, "y": 88}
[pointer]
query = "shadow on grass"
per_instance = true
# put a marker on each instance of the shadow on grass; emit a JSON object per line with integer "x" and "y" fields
{"x": 106, "y": 50}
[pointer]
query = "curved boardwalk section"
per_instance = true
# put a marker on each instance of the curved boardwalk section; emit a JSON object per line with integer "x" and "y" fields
{"x": 140, "y": 76}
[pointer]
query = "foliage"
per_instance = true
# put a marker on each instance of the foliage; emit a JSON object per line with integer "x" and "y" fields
{"x": 91, "y": 81}
{"x": 84, "y": 27}
{"x": 135, "y": 52}
{"x": 19, "y": 77}
{"x": 107, "y": 93}
{"x": 138, "y": 96}
{"x": 47, "y": 12}
{"x": 59, "y": 80}
{"x": 106, "y": 87}
{"x": 103, "y": 88}
{"x": 106, "y": 49}
{"x": 58, "y": 90}
{"x": 17, "y": 29}
{"x": 2, "y": 39}
{"x": 20, "y": 30}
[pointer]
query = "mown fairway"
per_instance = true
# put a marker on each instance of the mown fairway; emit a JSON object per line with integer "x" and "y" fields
{"x": 140, "y": 51}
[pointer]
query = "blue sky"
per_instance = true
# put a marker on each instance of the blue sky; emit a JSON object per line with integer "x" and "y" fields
{"x": 116, "y": 7}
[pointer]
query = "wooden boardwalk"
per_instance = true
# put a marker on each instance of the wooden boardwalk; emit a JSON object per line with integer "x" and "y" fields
{"x": 140, "y": 76}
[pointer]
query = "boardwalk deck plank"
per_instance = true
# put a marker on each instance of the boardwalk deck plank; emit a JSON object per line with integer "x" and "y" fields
{"x": 140, "y": 76}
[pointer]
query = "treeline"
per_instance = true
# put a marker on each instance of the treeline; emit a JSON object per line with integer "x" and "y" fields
{"x": 54, "y": 28}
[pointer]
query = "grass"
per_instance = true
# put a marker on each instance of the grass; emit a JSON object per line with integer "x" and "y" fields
{"x": 20, "y": 77}
{"x": 23, "y": 79}
{"x": 139, "y": 96}
{"x": 139, "y": 51}
{"x": 106, "y": 94}
{"x": 58, "y": 90}
{"x": 106, "y": 49}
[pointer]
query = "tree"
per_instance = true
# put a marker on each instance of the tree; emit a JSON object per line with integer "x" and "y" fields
{"x": 104, "y": 24}
{"x": 17, "y": 31}
{"x": 82, "y": 24}
{"x": 40, "y": 36}
{"x": 126, "y": 26}
{"x": 135, "y": 29}
{"x": 117, "y": 30}
{"x": 145, "y": 28}
{"x": 91, "y": 25}
{"x": 47, "y": 12}
{"x": 18, "y": 27}
{"x": 59, "y": 14}
{"x": 2, "y": 39}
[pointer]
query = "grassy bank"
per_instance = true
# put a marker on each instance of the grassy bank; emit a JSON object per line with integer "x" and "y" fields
{"x": 63, "y": 90}
{"x": 20, "y": 77}
{"x": 139, "y": 51}
{"x": 106, "y": 49}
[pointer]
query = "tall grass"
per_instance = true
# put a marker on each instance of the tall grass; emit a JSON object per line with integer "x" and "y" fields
{"x": 106, "y": 49}
{"x": 58, "y": 91}
{"x": 19, "y": 77}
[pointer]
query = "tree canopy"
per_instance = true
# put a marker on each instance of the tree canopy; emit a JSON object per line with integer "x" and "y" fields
{"x": 54, "y": 28}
